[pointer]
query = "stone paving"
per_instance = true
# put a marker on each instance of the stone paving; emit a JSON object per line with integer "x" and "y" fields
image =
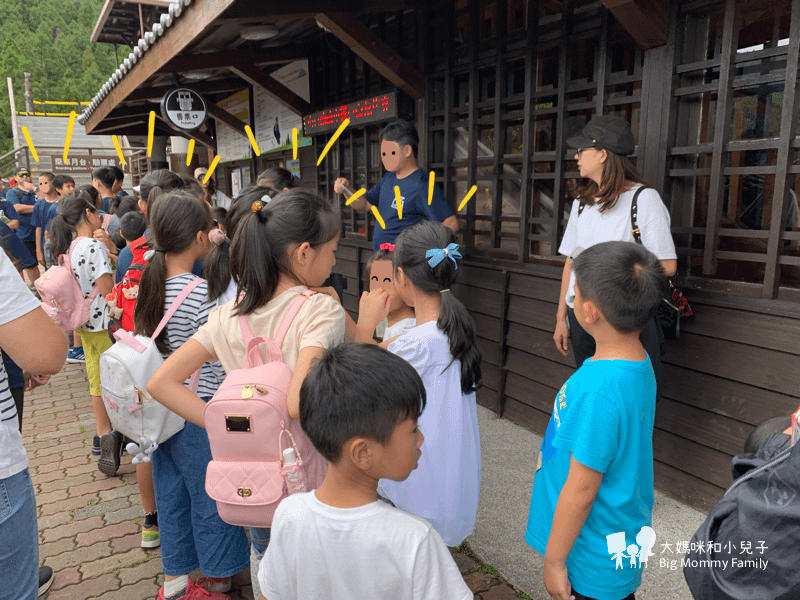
{"x": 89, "y": 524}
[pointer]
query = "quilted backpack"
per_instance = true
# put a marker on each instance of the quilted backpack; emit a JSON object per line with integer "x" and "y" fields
{"x": 125, "y": 369}
{"x": 249, "y": 429}
{"x": 122, "y": 299}
{"x": 62, "y": 297}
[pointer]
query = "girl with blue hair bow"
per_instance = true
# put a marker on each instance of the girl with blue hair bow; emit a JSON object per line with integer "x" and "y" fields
{"x": 444, "y": 488}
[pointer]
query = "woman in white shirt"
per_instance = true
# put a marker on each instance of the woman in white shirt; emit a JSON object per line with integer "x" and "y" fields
{"x": 602, "y": 213}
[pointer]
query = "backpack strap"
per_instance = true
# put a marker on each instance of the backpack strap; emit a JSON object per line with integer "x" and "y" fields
{"x": 251, "y": 342}
{"x": 637, "y": 236}
{"x": 175, "y": 304}
{"x": 95, "y": 290}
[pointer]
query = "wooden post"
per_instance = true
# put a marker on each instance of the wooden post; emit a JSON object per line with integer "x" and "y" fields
{"x": 12, "y": 104}
{"x": 28, "y": 94}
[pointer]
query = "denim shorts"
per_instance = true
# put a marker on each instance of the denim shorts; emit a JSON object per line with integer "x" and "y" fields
{"x": 19, "y": 561}
{"x": 192, "y": 534}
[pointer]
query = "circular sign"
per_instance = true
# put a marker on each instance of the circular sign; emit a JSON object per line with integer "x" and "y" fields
{"x": 184, "y": 109}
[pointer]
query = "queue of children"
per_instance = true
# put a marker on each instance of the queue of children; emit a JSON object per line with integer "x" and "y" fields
{"x": 394, "y": 477}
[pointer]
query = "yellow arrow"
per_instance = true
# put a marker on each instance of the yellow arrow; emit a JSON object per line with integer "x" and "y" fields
{"x": 116, "y": 145}
{"x": 335, "y": 137}
{"x": 211, "y": 169}
{"x": 294, "y": 143}
{"x": 378, "y": 216}
{"x": 31, "y": 147}
{"x": 70, "y": 125}
{"x": 431, "y": 183}
{"x": 355, "y": 196}
{"x": 190, "y": 152}
{"x": 399, "y": 201}
{"x": 151, "y": 127}
{"x": 469, "y": 195}
{"x": 252, "y": 139}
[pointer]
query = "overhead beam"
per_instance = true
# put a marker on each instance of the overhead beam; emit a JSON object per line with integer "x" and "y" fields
{"x": 195, "y": 19}
{"x": 217, "y": 60}
{"x": 117, "y": 126}
{"x": 277, "y": 90}
{"x": 645, "y": 20}
{"x": 109, "y": 6}
{"x": 226, "y": 117}
{"x": 201, "y": 87}
{"x": 308, "y": 8}
{"x": 374, "y": 51}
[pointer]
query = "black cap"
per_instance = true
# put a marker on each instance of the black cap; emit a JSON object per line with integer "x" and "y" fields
{"x": 18, "y": 169}
{"x": 606, "y": 132}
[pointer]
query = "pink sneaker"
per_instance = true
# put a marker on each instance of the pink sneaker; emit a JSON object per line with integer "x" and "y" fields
{"x": 215, "y": 584}
{"x": 194, "y": 592}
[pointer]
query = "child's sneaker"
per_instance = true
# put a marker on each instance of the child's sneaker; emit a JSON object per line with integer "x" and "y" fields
{"x": 96, "y": 445}
{"x": 150, "y": 538}
{"x": 193, "y": 592}
{"x": 110, "y": 450}
{"x": 76, "y": 355}
{"x": 215, "y": 584}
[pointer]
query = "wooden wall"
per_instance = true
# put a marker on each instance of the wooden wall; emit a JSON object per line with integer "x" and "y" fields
{"x": 736, "y": 365}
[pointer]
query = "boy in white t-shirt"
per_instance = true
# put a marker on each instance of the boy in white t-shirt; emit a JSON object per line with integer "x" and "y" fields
{"x": 359, "y": 407}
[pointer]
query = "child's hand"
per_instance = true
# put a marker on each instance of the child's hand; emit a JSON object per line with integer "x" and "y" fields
{"x": 33, "y": 381}
{"x": 373, "y": 307}
{"x": 557, "y": 582}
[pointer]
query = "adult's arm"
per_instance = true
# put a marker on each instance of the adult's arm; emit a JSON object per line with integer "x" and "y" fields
{"x": 561, "y": 335}
{"x": 670, "y": 266}
{"x": 16, "y": 199}
{"x": 13, "y": 224}
{"x": 43, "y": 356}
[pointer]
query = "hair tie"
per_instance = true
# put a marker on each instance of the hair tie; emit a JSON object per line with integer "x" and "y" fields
{"x": 443, "y": 291}
{"x": 160, "y": 249}
{"x": 437, "y": 255}
{"x": 389, "y": 247}
{"x": 257, "y": 206}
{"x": 218, "y": 237}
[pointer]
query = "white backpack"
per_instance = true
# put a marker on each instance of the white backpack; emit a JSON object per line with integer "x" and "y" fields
{"x": 125, "y": 369}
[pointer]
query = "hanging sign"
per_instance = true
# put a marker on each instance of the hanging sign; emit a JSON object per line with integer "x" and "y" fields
{"x": 184, "y": 109}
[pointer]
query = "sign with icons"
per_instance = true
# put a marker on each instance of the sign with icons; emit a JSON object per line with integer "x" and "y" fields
{"x": 184, "y": 109}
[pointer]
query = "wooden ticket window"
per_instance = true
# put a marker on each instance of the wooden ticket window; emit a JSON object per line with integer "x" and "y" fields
{"x": 499, "y": 112}
{"x": 733, "y": 162}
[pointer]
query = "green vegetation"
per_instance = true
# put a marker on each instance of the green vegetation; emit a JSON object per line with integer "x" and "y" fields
{"x": 50, "y": 40}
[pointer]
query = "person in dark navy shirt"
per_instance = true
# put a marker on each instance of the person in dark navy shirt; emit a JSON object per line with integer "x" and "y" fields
{"x": 399, "y": 141}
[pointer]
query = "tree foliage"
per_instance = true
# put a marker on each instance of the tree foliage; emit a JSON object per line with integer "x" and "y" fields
{"x": 50, "y": 40}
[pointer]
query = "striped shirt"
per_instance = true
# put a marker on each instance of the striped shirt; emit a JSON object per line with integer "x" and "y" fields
{"x": 191, "y": 314}
{"x": 15, "y": 301}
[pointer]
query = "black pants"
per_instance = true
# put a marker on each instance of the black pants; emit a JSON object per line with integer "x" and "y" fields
{"x": 583, "y": 345}
{"x": 579, "y": 596}
{"x": 31, "y": 247}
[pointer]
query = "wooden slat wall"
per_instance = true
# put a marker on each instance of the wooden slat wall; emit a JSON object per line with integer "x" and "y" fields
{"x": 731, "y": 369}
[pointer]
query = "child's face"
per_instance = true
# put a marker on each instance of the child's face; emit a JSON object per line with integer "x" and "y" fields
{"x": 66, "y": 189}
{"x": 45, "y": 185}
{"x": 322, "y": 262}
{"x": 401, "y": 455}
{"x": 393, "y": 156}
{"x": 381, "y": 276}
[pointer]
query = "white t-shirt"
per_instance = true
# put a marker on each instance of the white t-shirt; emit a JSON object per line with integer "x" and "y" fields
{"x": 221, "y": 199}
{"x": 90, "y": 261}
{"x": 228, "y": 295}
{"x": 614, "y": 225}
{"x": 373, "y": 551}
{"x": 445, "y": 486}
{"x": 16, "y": 300}
{"x": 398, "y": 328}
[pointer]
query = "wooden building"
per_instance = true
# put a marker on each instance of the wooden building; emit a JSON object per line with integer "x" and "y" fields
{"x": 711, "y": 90}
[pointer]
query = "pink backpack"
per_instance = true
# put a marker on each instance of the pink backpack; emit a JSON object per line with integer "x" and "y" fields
{"x": 249, "y": 429}
{"x": 62, "y": 297}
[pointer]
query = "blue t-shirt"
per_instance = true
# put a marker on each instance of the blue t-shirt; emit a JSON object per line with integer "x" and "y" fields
{"x": 25, "y": 231}
{"x": 8, "y": 210}
{"x": 15, "y": 249}
{"x": 603, "y": 416}
{"x": 414, "y": 194}
{"x": 41, "y": 216}
{"x": 125, "y": 259}
{"x": 106, "y": 205}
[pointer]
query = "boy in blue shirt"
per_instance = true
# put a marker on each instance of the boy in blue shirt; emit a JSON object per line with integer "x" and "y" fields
{"x": 593, "y": 490}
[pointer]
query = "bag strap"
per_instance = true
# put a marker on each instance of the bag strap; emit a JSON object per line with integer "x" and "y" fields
{"x": 251, "y": 342}
{"x": 175, "y": 304}
{"x": 637, "y": 236}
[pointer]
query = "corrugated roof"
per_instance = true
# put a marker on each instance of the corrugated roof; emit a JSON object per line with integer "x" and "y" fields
{"x": 175, "y": 10}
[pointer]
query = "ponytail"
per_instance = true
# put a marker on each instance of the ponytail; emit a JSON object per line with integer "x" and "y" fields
{"x": 216, "y": 267}
{"x": 175, "y": 219}
{"x": 409, "y": 253}
{"x": 71, "y": 211}
{"x": 259, "y": 254}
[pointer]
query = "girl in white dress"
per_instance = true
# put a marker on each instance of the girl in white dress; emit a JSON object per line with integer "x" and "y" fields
{"x": 444, "y": 489}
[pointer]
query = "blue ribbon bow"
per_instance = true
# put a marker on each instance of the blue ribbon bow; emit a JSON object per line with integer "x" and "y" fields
{"x": 437, "y": 255}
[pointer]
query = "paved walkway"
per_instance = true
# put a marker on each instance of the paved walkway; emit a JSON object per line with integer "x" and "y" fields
{"x": 89, "y": 524}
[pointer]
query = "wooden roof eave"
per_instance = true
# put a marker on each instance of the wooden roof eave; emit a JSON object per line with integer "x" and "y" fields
{"x": 645, "y": 21}
{"x": 196, "y": 18}
{"x": 108, "y": 6}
